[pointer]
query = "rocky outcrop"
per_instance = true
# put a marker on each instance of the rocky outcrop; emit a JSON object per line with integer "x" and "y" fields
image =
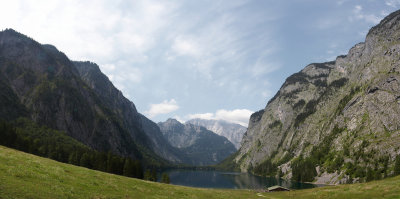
{"x": 342, "y": 115}
{"x": 233, "y": 132}
{"x": 199, "y": 145}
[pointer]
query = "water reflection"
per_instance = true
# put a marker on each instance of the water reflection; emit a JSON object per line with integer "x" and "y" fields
{"x": 229, "y": 180}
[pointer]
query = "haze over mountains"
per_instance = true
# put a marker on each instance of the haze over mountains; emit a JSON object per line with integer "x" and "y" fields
{"x": 233, "y": 132}
{"x": 201, "y": 146}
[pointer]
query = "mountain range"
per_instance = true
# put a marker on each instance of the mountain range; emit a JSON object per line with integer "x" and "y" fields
{"x": 40, "y": 83}
{"x": 200, "y": 146}
{"x": 233, "y": 132}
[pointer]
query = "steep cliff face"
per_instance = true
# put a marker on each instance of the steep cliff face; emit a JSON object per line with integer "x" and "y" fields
{"x": 233, "y": 132}
{"x": 340, "y": 115}
{"x": 149, "y": 134}
{"x": 41, "y": 83}
{"x": 199, "y": 145}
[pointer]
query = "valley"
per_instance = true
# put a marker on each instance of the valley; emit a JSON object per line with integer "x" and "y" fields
{"x": 332, "y": 130}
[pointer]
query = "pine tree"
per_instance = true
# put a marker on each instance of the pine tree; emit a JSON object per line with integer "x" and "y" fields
{"x": 165, "y": 178}
{"x": 129, "y": 168}
{"x": 85, "y": 161}
{"x": 154, "y": 175}
{"x": 147, "y": 175}
{"x": 397, "y": 166}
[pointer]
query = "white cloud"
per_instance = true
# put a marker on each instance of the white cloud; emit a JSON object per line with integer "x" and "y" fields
{"x": 162, "y": 108}
{"x": 186, "y": 46}
{"x": 238, "y": 116}
{"x": 205, "y": 116}
{"x": 359, "y": 15}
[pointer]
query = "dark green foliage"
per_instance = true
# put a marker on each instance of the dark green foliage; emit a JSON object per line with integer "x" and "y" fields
{"x": 26, "y": 136}
{"x": 309, "y": 109}
{"x": 276, "y": 123}
{"x": 132, "y": 168}
{"x": 165, "y": 178}
{"x": 370, "y": 175}
{"x": 303, "y": 169}
{"x": 297, "y": 77}
{"x": 320, "y": 83}
{"x": 150, "y": 175}
{"x": 335, "y": 164}
{"x": 292, "y": 94}
{"x": 320, "y": 153}
{"x": 85, "y": 161}
{"x": 359, "y": 172}
{"x": 299, "y": 104}
{"x": 266, "y": 168}
{"x": 397, "y": 166}
{"x": 339, "y": 82}
{"x": 324, "y": 65}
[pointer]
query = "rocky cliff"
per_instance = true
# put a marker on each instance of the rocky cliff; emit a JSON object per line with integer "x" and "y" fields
{"x": 336, "y": 121}
{"x": 233, "y": 132}
{"x": 199, "y": 145}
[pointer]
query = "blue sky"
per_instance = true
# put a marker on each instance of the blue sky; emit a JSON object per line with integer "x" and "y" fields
{"x": 210, "y": 59}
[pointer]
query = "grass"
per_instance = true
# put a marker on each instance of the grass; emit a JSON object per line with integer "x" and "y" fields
{"x": 24, "y": 175}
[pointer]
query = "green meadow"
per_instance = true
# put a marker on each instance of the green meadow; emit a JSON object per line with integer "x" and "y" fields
{"x": 24, "y": 175}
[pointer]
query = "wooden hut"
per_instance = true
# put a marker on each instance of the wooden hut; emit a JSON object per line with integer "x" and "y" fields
{"x": 277, "y": 188}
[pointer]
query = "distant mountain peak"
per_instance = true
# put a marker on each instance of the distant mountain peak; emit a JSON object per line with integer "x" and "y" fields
{"x": 201, "y": 146}
{"x": 232, "y": 131}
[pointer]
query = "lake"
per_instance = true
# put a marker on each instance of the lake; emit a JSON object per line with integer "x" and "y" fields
{"x": 229, "y": 180}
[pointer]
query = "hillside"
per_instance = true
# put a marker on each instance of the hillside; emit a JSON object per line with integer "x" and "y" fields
{"x": 27, "y": 176}
{"x": 333, "y": 122}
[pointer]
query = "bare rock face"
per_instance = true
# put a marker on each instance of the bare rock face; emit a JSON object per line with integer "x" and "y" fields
{"x": 233, "y": 132}
{"x": 351, "y": 105}
{"x": 198, "y": 145}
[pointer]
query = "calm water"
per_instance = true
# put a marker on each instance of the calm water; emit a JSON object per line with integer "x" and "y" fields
{"x": 229, "y": 180}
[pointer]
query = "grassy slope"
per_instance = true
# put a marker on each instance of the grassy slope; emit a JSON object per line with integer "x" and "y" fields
{"x": 27, "y": 176}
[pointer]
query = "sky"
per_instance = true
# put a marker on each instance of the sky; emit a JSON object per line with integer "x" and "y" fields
{"x": 210, "y": 59}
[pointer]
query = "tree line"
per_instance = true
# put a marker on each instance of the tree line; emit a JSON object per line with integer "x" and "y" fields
{"x": 25, "y": 135}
